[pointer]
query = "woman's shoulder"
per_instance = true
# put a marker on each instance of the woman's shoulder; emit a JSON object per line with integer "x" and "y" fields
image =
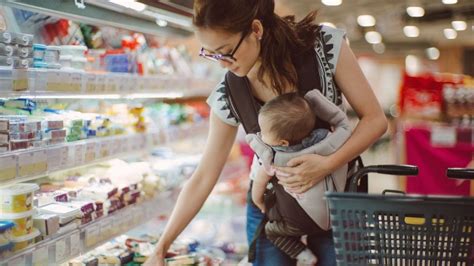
{"x": 219, "y": 103}
{"x": 329, "y": 45}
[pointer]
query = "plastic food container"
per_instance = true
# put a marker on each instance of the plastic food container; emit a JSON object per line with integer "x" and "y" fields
{"x": 6, "y": 37}
{"x": 5, "y": 250}
{"x": 65, "y": 61}
{"x": 38, "y": 51}
{"x": 6, "y": 50}
{"x": 51, "y": 55}
{"x": 23, "y": 222}
{"x": 5, "y": 232}
{"x": 23, "y": 242}
{"x": 17, "y": 198}
{"x": 6, "y": 61}
{"x": 22, "y": 39}
{"x": 73, "y": 50}
{"x": 79, "y": 63}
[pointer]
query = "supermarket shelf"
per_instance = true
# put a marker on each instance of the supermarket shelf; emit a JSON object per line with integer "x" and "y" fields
{"x": 31, "y": 164}
{"x": 99, "y": 15}
{"x": 64, "y": 84}
{"x": 61, "y": 248}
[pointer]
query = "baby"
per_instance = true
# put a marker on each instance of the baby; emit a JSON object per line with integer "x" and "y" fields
{"x": 287, "y": 124}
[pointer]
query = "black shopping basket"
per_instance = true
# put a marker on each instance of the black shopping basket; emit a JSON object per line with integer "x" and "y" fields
{"x": 402, "y": 230}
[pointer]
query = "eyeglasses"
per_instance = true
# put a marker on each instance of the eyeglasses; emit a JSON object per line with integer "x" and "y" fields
{"x": 224, "y": 57}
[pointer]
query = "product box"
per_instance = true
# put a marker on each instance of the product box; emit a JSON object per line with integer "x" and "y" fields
{"x": 48, "y": 224}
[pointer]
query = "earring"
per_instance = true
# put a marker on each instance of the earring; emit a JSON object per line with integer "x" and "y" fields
{"x": 260, "y": 38}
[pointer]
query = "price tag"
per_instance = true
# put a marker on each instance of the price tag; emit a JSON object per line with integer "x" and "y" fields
{"x": 443, "y": 136}
{"x": 61, "y": 250}
{"x": 116, "y": 147}
{"x": 41, "y": 162}
{"x": 76, "y": 82}
{"x": 91, "y": 152}
{"x": 79, "y": 154}
{"x": 20, "y": 79}
{"x": 100, "y": 83}
{"x": 75, "y": 244}
{"x": 21, "y": 260}
{"x": 57, "y": 158}
{"x": 92, "y": 235}
{"x": 8, "y": 167}
{"x": 91, "y": 83}
{"x": 40, "y": 256}
{"x": 26, "y": 164}
{"x": 53, "y": 79}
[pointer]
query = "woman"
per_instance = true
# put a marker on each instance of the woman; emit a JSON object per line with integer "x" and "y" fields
{"x": 247, "y": 38}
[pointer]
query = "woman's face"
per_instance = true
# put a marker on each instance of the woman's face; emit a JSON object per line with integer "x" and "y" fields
{"x": 221, "y": 42}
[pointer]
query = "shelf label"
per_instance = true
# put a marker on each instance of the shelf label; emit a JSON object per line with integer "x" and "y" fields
{"x": 8, "y": 167}
{"x": 40, "y": 256}
{"x": 79, "y": 154}
{"x": 75, "y": 244}
{"x": 76, "y": 82}
{"x": 61, "y": 250}
{"x": 91, "y": 152}
{"x": 21, "y": 260}
{"x": 26, "y": 164}
{"x": 92, "y": 235}
{"x": 57, "y": 158}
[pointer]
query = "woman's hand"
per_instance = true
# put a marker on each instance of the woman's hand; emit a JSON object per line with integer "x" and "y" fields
{"x": 304, "y": 172}
{"x": 158, "y": 256}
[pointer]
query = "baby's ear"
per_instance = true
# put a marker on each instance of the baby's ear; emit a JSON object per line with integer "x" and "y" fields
{"x": 284, "y": 142}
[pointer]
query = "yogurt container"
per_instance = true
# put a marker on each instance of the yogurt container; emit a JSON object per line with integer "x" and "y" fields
{"x": 5, "y": 232}
{"x": 17, "y": 198}
{"x": 38, "y": 51}
{"x": 23, "y": 242}
{"x": 78, "y": 63}
{"x": 6, "y": 250}
{"x": 22, "y": 222}
{"x": 22, "y": 39}
{"x": 73, "y": 50}
{"x": 51, "y": 55}
{"x": 65, "y": 61}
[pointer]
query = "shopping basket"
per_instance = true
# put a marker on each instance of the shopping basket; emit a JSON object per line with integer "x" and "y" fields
{"x": 402, "y": 230}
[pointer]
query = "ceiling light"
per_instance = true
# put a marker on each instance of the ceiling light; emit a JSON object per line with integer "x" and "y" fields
{"x": 132, "y": 4}
{"x": 379, "y": 48}
{"x": 328, "y": 24}
{"x": 415, "y": 11}
{"x": 449, "y": 2}
{"x": 373, "y": 37}
{"x": 161, "y": 22}
{"x": 331, "y": 2}
{"x": 413, "y": 65}
{"x": 450, "y": 34}
{"x": 459, "y": 25}
{"x": 366, "y": 20}
{"x": 411, "y": 31}
{"x": 432, "y": 53}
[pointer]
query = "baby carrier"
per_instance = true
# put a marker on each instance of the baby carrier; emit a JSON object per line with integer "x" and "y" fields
{"x": 244, "y": 106}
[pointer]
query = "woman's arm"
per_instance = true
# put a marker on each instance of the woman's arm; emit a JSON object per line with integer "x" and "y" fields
{"x": 307, "y": 170}
{"x": 196, "y": 190}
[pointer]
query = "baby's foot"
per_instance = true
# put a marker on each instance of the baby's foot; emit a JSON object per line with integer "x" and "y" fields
{"x": 306, "y": 257}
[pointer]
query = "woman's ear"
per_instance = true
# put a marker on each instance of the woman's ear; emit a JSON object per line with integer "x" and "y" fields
{"x": 257, "y": 28}
{"x": 283, "y": 142}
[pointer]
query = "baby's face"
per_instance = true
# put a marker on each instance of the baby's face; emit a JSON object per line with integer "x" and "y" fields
{"x": 265, "y": 131}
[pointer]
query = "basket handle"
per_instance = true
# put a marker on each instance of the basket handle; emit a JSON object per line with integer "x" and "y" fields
{"x": 387, "y": 169}
{"x": 460, "y": 173}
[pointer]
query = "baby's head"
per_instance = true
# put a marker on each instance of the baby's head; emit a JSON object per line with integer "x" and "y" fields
{"x": 286, "y": 120}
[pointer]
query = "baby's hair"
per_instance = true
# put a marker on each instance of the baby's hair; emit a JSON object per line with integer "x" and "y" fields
{"x": 291, "y": 117}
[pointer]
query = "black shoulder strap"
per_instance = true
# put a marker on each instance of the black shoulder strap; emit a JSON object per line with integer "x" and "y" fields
{"x": 307, "y": 70}
{"x": 242, "y": 102}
